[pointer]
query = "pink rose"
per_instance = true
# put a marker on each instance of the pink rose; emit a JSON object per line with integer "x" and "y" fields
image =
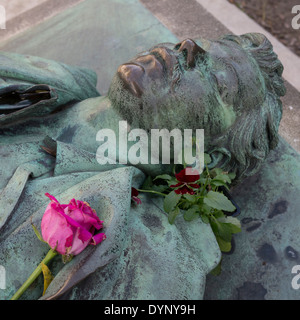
{"x": 69, "y": 228}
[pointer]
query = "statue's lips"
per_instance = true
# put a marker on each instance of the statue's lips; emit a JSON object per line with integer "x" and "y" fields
{"x": 150, "y": 67}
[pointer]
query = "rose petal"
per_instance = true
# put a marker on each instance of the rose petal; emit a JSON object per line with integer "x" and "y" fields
{"x": 51, "y": 197}
{"x": 137, "y": 200}
{"x": 83, "y": 214}
{"x": 134, "y": 192}
{"x": 98, "y": 238}
{"x": 55, "y": 230}
{"x": 69, "y": 228}
{"x": 80, "y": 240}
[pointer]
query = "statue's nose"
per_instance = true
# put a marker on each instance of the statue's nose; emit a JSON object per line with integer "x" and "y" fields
{"x": 191, "y": 49}
{"x": 132, "y": 75}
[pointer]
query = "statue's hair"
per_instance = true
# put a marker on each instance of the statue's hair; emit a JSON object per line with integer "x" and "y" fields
{"x": 244, "y": 147}
{"x": 261, "y": 50}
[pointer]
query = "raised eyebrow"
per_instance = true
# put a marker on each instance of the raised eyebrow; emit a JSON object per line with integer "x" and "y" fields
{"x": 159, "y": 57}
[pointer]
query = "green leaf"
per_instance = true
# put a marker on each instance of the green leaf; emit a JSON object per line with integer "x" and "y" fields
{"x": 218, "y": 214}
{"x": 217, "y": 183}
{"x": 163, "y": 177}
{"x": 47, "y": 277}
{"x": 173, "y": 181}
{"x": 233, "y": 223}
{"x": 225, "y": 246}
{"x": 36, "y": 231}
{"x": 225, "y": 231}
{"x": 234, "y": 228}
{"x": 185, "y": 205}
{"x": 216, "y": 171}
{"x": 218, "y": 201}
{"x": 171, "y": 201}
{"x": 222, "y": 230}
{"x": 149, "y": 185}
{"x": 223, "y": 177}
{"x": 217, "y": 270}
{"x": 190, "y": 197}
{"x": 191, "y": 214}
{"x": 204, "y": 218}
{"x": 207, "y": 158}
{"x": 204, "y": 208}
{"x": 226, "y": 186}
{"x": 232, "y": 175}
{"x": 202, "y": 180}
{"x": 161, "y": 188}
{"x": 173, "y": 214}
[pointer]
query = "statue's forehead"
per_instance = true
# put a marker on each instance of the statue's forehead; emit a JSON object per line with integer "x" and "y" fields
{"x": 228, "y": 49}
{"x": 251, "y": 81}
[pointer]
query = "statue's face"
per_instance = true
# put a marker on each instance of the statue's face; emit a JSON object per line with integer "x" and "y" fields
{"x": 188, "y": 84}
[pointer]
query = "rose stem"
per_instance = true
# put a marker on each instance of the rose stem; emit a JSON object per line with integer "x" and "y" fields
{"x": 50, "y": 255}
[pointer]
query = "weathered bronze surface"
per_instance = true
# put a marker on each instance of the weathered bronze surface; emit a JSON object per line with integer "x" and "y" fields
{"x": 216, "y": 85}
{"x": 241, "y": 120}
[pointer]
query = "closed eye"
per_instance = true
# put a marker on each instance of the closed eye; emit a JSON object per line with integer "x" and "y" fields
{"x": 159, "y": 58}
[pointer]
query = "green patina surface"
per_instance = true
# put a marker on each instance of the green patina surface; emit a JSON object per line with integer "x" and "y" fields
{"x": 260, "y": 265}
{"x": 134, "y": 261}
{"x": 141, "y": 245}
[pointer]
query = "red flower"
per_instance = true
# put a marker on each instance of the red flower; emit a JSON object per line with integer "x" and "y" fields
{"x": 134, "y": 196}
{"x": 185, "y": 179}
